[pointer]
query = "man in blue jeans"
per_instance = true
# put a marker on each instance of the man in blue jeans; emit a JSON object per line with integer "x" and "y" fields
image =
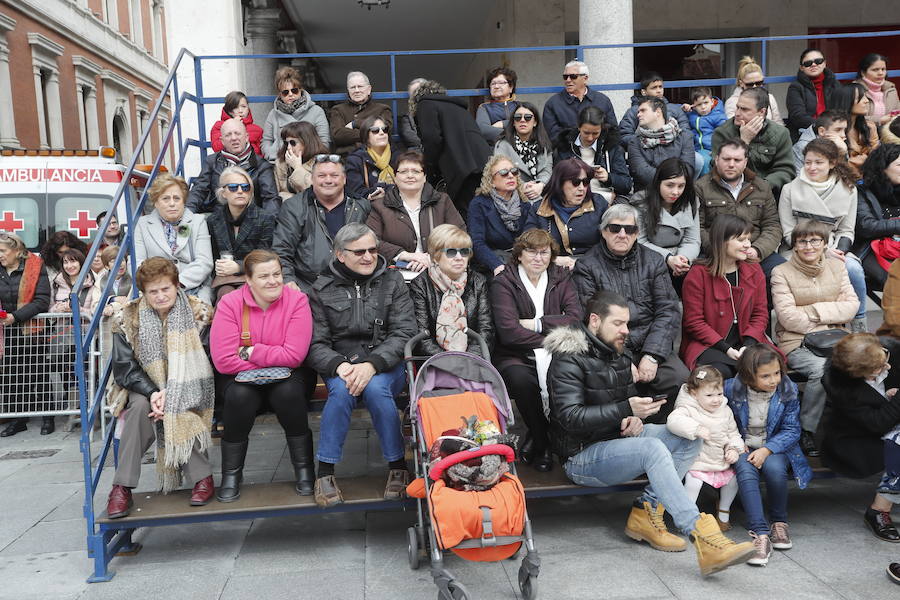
{"x": 597, "y": 430}
{"x": 362, "y": 318}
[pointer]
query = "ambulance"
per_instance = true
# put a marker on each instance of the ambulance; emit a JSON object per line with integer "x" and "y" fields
{"x": 45, "y": 191}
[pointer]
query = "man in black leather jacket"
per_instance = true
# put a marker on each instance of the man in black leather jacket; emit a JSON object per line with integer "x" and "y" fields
{"x": 621, "y": 265}
{"x": 363, "y": 317}
{"x": 597, "y": 429}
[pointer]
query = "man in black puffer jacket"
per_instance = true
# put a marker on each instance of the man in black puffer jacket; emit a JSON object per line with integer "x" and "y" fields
{"x": 621, "y": 265}
{"x": 597, "y": 430}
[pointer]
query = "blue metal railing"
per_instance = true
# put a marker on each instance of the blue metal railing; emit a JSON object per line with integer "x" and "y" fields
{"x": 102, "y": 545}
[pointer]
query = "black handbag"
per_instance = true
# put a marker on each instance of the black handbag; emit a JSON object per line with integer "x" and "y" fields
{"x": 822, "y": 343}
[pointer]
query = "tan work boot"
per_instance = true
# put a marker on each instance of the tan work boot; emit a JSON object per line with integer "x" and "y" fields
{"x": 645, "y": 524}
{"x": 716, "y": 552}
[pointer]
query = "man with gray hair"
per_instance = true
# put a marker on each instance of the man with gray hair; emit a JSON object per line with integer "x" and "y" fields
{"x": 619, "y": 264}
{"x": 363, "y": 316}
{"x": 346, "y": 116}
{"x": 561, "y": 110}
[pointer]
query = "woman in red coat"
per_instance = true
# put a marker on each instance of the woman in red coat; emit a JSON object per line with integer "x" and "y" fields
{"x": 236, "y": 107}
{"x": 725, "y": 306}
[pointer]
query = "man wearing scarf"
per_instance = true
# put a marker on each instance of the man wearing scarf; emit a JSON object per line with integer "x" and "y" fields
{"x": 658, "y": 137}
{"x": 236, "y": 151}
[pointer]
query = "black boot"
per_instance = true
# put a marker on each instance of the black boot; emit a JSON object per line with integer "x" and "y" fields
{"x": 233, "y": 455}
{"x": 301, "y": 449}
{"x": 48, "y": 426}
{"x": 808, "y": 444}
{"x": 15, "y": 426}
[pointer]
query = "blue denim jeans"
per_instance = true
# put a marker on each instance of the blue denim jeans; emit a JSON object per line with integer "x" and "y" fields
{"x": 379, "y": 398}
{"x": 775, "y": 472}
{"x": 858, "y": 281}
{"x": 662, "y": 455}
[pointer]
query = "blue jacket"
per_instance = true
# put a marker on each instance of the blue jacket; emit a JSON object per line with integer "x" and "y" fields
{"x": 561, "y": 111}
{"x": 488, "y": 231}
{"x": 582, "y": 231}
{"x": 782, "y": 423}
{"x": 702, "y": 126}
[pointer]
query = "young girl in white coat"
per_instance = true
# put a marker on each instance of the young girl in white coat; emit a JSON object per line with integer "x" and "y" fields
{"x": 701, "y": 411}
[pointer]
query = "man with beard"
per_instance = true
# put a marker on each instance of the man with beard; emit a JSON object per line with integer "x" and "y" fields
{"x": 597, "y": 430}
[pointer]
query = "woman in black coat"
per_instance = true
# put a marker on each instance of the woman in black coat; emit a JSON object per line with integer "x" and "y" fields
{"x": 596, "y": 142}
{"x": 861, "y": 381}
{"x": 877, "y": 212}
{"x": 449, "y": 297}
{"x": 810, "y": 93}
{"x": 453, "y": 145}
{"x": 370, "y": 168}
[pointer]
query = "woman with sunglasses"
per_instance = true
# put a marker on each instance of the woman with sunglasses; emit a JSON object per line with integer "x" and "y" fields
{"x": 292, "y": 103}
{"x": 173, "y": 232}
{"x": 526, "y": 144}
{"x": 863, "y": 429}
{"x": 728, "y": 310}
{"x": 293, "y": 169}
{"x": 810, "y": 94}
{"x": 497, "y": 214}
{"x": 750, "y": 75}
{"x": 236, "y": 228}
{"x": 369, "y": 170}
{"x": 449, "y": 298}
{"x": 596, "y": 142}
{"x": 569, "y": 212}
{"x": 884, "y": 104}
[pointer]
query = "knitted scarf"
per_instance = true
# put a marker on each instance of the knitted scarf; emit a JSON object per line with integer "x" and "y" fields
{"x": 528, "y": 152}
{"x": 663, "y": 136}
{"x": 822, "y": 188}
{"x": 876, "y": 95}
{"x": 241, "y": 159}
{"x": 807, "y": 269}
{"x": 510, "y": 210}
{"x": 289, "y": 109}
{"x": 383, "y": 164}
{"x": 818, "y": 84}
{"x": 171, "y": 353}
{"x": 27, "y": 288}
{"x": 450, "y": 330}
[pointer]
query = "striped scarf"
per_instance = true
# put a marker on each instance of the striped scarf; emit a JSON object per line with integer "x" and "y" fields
{"x": 241, "y": 159}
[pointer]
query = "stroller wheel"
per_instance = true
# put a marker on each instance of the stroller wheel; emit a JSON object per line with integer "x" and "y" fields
{"x": 412, "y": 548}
{"x": 457, "y": 592}
{"x": 528, "y": 584}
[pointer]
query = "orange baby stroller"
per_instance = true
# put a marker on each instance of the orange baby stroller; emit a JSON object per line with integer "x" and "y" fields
{"x": 488, "y": 525}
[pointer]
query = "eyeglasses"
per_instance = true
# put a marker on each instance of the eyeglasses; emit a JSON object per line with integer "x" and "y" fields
{"x": 572, "y": 76}
{"x": 753, "y": 84}
{"x": 233, "y": 187}
{"x": 383, "y": 129}
{"x": 358, "y": 253}
{"x": 332, "y": 158}
{"x": 576, "y": 181}
{"x": 453, "y": 252}
{"x": 504, "y": 172}
{"x": 545, "y": 253}
{"x": 410, "y": 172}
{"x": 812, "y": 61}
{"x": 523, "y": 117}
{"x": 499, "y": 83}
{"x": 617, "y": 227}
{"x": 295, "y": 91}
{"x": 293, "y": 143}
{"x": 812, "y": 243}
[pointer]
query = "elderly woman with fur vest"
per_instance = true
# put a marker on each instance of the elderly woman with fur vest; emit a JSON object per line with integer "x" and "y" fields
{"x": 163, "y": 387}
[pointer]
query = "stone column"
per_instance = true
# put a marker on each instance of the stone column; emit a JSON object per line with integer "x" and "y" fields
{"x": 39, "y": 105}
{"x": 92, "y": 126}
{"x": 8, "y": 137}
{"x": 261, "y": 29}
{"x": 82, "y": 123}
{"x": 54, "y": 112}
{"x": 609, "y": 22}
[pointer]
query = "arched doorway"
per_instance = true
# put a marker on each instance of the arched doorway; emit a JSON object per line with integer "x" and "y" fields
{"x": 121, "y": 136}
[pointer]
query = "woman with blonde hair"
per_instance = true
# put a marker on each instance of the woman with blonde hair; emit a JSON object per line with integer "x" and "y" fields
{"x": 749, "y": 75}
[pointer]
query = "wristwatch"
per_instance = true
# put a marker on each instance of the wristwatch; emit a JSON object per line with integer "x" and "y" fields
{"x": 244, "y": 353}
{"x": 651, "y": 359}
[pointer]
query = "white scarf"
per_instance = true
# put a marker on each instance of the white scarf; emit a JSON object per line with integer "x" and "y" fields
{"x": 820, "y": 187}
{"x": 541, "y": 356}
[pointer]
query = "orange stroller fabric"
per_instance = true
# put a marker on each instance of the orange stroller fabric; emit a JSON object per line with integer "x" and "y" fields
{"x": 440, "y": 413}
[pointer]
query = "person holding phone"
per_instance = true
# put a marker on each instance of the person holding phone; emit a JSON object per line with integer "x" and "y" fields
{"x": 369, "y": 169}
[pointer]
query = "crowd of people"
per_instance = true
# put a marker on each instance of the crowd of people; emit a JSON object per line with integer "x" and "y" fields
{"x": 578, "y": 247}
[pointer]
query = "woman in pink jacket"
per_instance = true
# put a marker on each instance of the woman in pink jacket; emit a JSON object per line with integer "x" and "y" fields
{"x": 280, "y": 330}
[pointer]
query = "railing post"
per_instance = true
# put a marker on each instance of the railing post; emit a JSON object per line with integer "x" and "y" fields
{"x": 764, "y": 58}
{"x": 394, "y": 89}
{"x": 201, "y": 113}
{"x": 176, "y": 121}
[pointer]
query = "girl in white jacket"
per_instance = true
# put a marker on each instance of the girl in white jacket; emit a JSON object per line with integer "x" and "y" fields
{"x": 701, "y": 411}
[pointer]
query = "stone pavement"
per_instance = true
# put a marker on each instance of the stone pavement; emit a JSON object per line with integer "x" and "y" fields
{"x": 357, "y": 555}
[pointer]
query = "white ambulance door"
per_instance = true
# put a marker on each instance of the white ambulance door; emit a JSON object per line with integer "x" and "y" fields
{"x": 23, "y": 201}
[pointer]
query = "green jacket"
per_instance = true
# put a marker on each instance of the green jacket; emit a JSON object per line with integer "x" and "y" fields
{"x": 770, "y": 151}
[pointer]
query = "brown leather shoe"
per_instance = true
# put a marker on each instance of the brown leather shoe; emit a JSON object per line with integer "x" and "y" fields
{"x": 397, "y": 480}
{"x": 119, "y": 503}
{"x": 327, "y": 492}
{"x": 203, "y": 492}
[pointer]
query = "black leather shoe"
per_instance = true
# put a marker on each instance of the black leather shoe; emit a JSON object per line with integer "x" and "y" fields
{"x": 893, "y": 572}
{"x": 881, "y": 525}
{"x": 808, "y": 444}
{"x": 48, "y": 426}
{"x": 543, "y": 461}
{"x": 15, "y": 427}
{"x": 526, "y": 451}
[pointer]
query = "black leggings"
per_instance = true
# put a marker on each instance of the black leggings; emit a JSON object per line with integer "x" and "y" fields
{"x": 723, "y": 363}
{"x": 522, "y": 385}
{"x": 876, "y": 276}
{"x": 243, "y": 402}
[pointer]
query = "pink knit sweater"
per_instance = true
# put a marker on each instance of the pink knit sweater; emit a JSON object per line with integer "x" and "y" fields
{"x": 280, "y": 334}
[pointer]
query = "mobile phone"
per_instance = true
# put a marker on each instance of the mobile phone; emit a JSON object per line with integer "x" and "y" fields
{"x": 401, "y": 264}
{"x": 659, "y": 397}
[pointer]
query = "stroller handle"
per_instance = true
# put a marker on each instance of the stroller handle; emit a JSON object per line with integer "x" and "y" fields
{"x": 422, "y": 335}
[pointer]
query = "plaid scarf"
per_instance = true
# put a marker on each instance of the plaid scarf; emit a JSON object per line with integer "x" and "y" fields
{"x": 450, "y": 329}
{"x": 663, "y": 136}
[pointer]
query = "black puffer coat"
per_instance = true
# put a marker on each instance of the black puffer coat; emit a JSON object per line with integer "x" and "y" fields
{"x": 640, "y": 276}
{"x": 870, "y": 222}
{"x": 801, "y": 101}
{"x": 427, "y": 302}
{"x": 589, "y": 385}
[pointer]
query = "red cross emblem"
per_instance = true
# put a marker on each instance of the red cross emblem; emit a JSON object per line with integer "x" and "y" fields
{"x": 82, "y": 223}
{"x": 10, "y": 223}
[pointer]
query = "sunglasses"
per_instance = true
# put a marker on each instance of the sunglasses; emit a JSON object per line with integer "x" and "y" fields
{"x": 576, "y": 181}
{"x": 293, "y": 143}
{"x": 811, "y": 62}
{"x": 233, "y": 187}
{"x": 754, "y": 84}
{"x": 452, "y": 252}
{"x": 378, "y": 130}
{"x": 572, "y": 76}
{"x": 295, "y": 91}
{"x": 617, "y": 227}
{"x": 332, "y": 158}
{"x": 373, "y": 251}
{"x": 523, "y": 117}
{"x": 504, "y": 172}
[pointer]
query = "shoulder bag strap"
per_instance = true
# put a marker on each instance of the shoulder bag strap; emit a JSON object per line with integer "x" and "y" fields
{"x": 245, "y": 326}
{"x": 380, "y": 314}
